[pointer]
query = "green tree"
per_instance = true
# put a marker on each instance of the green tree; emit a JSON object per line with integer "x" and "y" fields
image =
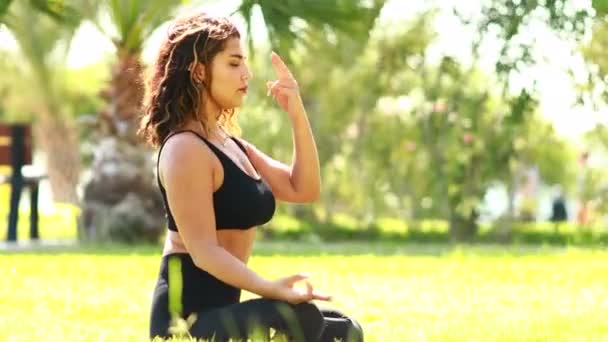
{"x": 595, "y": 91}
{"x": 505, "y": 22}
{"x": 42, "y": 48}
{"x": 399, "y": 135}
{"x": 120, "y": 199}
{"x": 342, "y": 76}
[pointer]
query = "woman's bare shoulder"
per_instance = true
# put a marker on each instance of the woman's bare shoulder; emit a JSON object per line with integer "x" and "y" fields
{"x": 185, "y": 152}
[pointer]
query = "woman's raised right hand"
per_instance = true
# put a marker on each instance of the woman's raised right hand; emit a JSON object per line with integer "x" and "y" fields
{"x": 284, "y": 289}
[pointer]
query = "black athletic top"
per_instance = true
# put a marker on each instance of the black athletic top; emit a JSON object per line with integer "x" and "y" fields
{"x": 240, "y": 202}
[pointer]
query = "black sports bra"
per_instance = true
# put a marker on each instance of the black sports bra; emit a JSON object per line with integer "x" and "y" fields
{"x": 241, "y": 201}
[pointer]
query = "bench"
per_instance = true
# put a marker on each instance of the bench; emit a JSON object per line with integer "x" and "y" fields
{"x": 16, "y": 153}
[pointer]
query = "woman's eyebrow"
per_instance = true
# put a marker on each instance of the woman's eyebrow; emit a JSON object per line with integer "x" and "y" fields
{"x": 239, "y": 56}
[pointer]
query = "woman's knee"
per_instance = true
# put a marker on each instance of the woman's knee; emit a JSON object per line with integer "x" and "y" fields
{"x": 355, "y": 332}
{"x": 310, "y": 320}
{"x": 310, "y": 312}
{"x": 342, "y": 328}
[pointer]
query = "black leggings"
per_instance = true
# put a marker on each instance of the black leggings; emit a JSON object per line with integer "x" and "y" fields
{"x": 302, "y": 322}
{"x": 219, "y": 312}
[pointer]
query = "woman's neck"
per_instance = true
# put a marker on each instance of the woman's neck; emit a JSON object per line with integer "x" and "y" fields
{"x": 211, "y": 113}
{"x": 197, "y": 126}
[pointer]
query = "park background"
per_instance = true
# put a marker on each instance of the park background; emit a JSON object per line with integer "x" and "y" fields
{"x": 446, "y": 133}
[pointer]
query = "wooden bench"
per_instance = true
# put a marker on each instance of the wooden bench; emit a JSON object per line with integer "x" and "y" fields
{"x": 16, "y": 152}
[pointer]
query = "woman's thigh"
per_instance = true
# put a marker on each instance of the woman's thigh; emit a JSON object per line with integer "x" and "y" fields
{"x": 302, "y": 322}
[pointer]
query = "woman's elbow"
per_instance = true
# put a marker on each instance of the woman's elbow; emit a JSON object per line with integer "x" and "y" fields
{"x": 203, "y": 258}
{"x": 311, "y": 195}
{"x": 305, "y": 194}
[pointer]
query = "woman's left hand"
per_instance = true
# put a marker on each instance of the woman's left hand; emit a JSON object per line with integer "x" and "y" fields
{"x": 285, "y": 90}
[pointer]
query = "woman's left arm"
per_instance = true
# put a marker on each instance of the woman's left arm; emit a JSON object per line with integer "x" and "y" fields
{"x": 302, "y": 181}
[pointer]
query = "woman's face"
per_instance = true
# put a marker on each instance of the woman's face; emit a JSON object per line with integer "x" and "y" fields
{"x": 230, "y": 75}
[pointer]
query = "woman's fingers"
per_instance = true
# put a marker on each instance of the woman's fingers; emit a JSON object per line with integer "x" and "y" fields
{"x": 270, "y": 85}
{"x": 299, "y": 295}
{"x": 284, "y": 91}
{"x": 321, "y": 296}
{"x": 279, "y": 66}
{"x": 294, "y": 278}
{"x": 304, "y": 295}
{"x": 286, "y": 79}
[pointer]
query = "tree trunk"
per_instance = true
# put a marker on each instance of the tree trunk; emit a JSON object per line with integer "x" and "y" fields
{"x": 462, "y": 229}
{"x": 58, "y": 140}
{"x": 121, "y": 200}
{"x": 504, "y": 230}
{"x": 124, "y": 96}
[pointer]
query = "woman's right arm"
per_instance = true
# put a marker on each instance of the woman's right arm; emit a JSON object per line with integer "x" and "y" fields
{"x": 187, "y": 176}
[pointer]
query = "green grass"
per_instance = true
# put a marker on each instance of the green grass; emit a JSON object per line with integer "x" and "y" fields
{"x": 56, "y": 223}
{"x": 399, "y": 292}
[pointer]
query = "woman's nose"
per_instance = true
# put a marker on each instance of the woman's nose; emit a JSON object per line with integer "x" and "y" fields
{"x": 247, "y": 75}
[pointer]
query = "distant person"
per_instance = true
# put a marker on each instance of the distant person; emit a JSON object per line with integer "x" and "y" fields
{"x": 559, "y": 213}
{"x": 584, "y": 212}
{"x": 218, "y": 188}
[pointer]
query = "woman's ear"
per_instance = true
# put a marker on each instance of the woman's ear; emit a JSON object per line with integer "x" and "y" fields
{"x": 199, "y": 73}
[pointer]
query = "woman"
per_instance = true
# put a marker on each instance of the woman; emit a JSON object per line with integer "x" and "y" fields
{"x": 218, "y": 188}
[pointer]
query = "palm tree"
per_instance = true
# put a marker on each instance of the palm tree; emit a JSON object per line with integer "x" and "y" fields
{"x": 134, "y": 21}
{"x": 38, "y": 49}
{"x": 121, "y": 194}
{"x": 120, "y": 198}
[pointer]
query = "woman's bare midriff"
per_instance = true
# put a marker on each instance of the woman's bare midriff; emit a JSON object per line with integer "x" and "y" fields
{"x": 237, "y": 242}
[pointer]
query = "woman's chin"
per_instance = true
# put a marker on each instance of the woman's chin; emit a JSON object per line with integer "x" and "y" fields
{"x": 231, "y": 105}
{"x": 237, "y": 102}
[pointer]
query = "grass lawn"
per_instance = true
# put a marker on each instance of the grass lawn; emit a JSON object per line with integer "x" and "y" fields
{"x": 399, "y": 292}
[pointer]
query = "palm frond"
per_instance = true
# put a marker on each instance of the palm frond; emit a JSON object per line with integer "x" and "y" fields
{"x": 61, "y": 11}
{"x": 600, "y": 7}
{"x": 4, "y": 4}
{"x": 284, "y": 19}
{"x": 43, "y": 46}
{"x": 135, "y": 20}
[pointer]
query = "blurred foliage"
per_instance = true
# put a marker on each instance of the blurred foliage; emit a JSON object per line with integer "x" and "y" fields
{"x": 129, "y": 22}
{"x": 600, "y": 7}
{"x": 508, "y": 20}
{"x": 505, "y": 23}
{"x": 43, "y": 47}
{"x": 59, "y": 10}
{"x": 594, "y": 90}
{"x": 286, "y": 20}
{"x": 593, "y": 175}
{"x": 400, "y": 134}
{"x": 39, "y": 68}
{"x": 396, "y": 135}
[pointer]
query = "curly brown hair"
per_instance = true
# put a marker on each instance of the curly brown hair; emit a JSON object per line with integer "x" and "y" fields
{"x": 173, "y": 95}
